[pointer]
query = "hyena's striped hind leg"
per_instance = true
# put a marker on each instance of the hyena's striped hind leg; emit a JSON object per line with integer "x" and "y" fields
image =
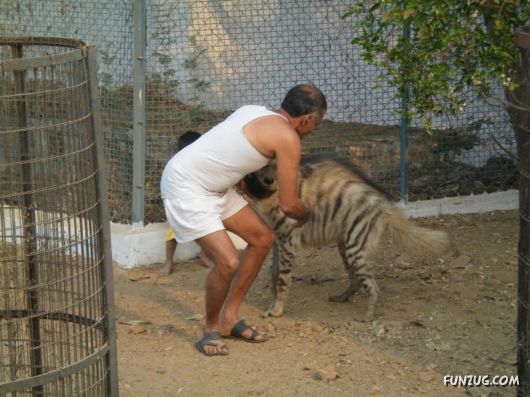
{"x": 354, "y": 282}
{"x": 361, "y": 278}
{"x": 281, "y": 280}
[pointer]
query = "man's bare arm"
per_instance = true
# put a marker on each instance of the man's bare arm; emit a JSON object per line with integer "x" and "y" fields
{"x": 288, "y": 155}
{"x": 273, "y": 137}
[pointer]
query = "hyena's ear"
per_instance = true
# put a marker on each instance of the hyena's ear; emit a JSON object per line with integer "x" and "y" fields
{"x": 255, "y": 188}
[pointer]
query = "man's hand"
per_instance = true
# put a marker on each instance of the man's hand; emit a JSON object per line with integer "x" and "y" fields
{"x": 308, "y": 216}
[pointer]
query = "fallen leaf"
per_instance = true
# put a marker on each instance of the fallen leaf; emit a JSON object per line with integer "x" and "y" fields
{"x": 195, "y": 317}
{"x": 426, "y": 376}
{"x": 137, "y": 329}
{"x": 134, "y": 322}
{"x": 461, "y": 262}
{"x": 139, "y": 278}
{"x": 320, "y": 280}
{"x": 328, "y": 373}
{"x": 417, "y": 323}
{"x": 441, "y": 347}
{"x": 484, "y": 298}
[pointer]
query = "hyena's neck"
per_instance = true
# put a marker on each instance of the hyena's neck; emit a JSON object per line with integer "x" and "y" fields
{"x": 269, "y": 208}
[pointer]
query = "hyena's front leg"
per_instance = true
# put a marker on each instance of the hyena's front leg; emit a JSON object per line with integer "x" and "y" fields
{"x": 281, "y": 279}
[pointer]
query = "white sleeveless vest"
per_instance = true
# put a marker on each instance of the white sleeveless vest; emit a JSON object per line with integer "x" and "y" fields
{"x": 219, "y": 159}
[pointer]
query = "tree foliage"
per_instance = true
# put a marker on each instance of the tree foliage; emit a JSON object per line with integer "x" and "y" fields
{"x": 453, "y": 45}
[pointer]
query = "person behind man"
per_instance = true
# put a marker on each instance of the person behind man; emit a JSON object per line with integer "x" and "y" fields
{"x": 171, "y": 244}
{"x": 201, "y": 203}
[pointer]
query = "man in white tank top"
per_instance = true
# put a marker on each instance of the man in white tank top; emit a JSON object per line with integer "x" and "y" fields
{"x": 201, "y": 204}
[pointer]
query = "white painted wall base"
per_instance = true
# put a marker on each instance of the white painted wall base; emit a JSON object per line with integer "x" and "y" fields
{"x": 487, "y": 202}
{"x": 138, "y": 246}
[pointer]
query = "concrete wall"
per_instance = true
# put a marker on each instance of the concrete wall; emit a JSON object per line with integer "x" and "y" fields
{"x": 132, "y": 246}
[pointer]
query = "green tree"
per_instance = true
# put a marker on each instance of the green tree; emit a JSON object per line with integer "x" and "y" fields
{"x": 455, "y": 46}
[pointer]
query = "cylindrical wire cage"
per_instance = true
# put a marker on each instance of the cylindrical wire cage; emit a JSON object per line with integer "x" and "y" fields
{"x": 57, "y": 332}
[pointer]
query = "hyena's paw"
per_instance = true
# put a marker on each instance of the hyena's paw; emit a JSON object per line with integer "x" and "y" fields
{"x": 364, "y": 318}
{"x": 342, "y": 297}
{"x": 276, "y": 310}
{"x": 368, "y": 317}
{"x": 370, "y": 309}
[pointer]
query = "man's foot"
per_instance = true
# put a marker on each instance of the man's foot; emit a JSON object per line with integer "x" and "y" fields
{"x": 205, "y": 260}
{"x": 166, "y": 269}
{"x": 212, "y": 344}
{"x": 243, "y": 332}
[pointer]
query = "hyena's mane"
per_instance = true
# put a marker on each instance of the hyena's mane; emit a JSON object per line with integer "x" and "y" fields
{"x": 312, "y": 162}
{"x": 310, "y": 165}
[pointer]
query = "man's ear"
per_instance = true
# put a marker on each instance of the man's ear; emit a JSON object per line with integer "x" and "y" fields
{"x": 307, "y": 118}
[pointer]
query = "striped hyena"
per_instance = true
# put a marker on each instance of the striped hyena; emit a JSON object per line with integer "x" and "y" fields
{"x": 349, "y": 211}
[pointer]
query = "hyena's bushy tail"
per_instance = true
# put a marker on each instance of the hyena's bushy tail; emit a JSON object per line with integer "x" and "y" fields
{"x": 415, "y": 239}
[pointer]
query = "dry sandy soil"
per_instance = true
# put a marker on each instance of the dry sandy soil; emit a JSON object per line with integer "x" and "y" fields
{"x": 454, "y": 315}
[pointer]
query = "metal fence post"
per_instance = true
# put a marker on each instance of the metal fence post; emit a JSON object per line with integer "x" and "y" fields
{"x": 404, "y": 135}
{"x": 138, "y": 192}
{"x": 521, "y": 115}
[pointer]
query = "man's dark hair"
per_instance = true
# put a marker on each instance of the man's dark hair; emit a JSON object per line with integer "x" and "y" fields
{"x": 188, "y": 138}
{"x": 304, "y": 99}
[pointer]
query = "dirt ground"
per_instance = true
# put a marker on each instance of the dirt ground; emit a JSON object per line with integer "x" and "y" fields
{"x": 455, "y": 315}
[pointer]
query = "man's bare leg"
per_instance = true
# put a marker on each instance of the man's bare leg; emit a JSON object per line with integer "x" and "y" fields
{"x": 230, "y": 279}
{"x": 260, "y": 239}
{"x": 221, "y": 248}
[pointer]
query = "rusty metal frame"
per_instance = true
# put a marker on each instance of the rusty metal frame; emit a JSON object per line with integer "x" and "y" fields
{"x": 80, "y": 50}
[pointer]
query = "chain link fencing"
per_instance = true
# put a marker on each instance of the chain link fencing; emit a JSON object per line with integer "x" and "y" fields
{"x": 204, "y": 59}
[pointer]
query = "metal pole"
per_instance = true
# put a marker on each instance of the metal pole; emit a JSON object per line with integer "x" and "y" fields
{"x": 521, "y": 116}
{"x": 404, "y": 135}
{"x": 30, "y": 229}
{"x": 138, "y": 192}
{"x": 104, "y": 219}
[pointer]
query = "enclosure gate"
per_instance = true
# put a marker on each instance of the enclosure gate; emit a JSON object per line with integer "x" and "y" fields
{"x": 57, "y": 331}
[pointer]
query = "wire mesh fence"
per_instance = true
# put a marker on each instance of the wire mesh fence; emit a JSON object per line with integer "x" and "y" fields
{"x": 204, "y": 59}
{"x": 518, "y": 103}
{"x": 56, "y": 330}
{"x": 109, "y": 25}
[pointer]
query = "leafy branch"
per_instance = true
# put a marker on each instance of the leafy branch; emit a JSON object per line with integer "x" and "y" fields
{"x": 454, "y": 46}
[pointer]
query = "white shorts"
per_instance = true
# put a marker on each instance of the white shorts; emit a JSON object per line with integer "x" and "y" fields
{"x": 197, "y": 215}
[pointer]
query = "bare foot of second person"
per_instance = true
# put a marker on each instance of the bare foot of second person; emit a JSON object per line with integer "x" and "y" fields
{"x": 166, "y": 269}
